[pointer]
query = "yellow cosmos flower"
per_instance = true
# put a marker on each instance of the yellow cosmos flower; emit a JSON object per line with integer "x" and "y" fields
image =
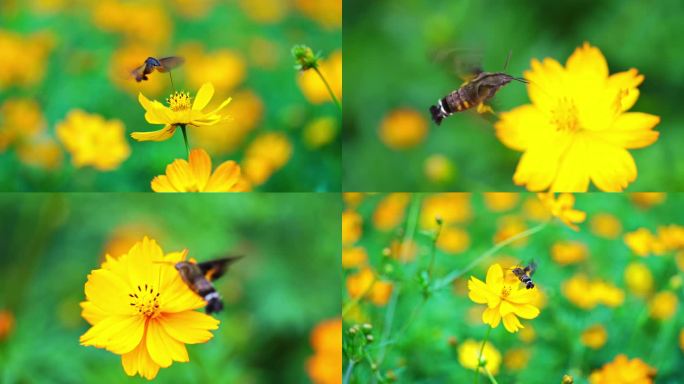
{"x": 577, "y": 128}
{"x": 268, "y": 153}
{"x": 365, "y": 284}
{"x": 195, "y": 176}
{"x": 587, "y": 294}
{"x": 469, "y": 352}
{"x": 639, "y": 279}
{"x": 562, "y": 208}
{"x": 569, "y": 252}
{"x": 390, "y": 211}
{"x": 624, "y": 371}
{"x": 180, "y": 113}
{"x": 663, "y": 305}
{"x": 326, "y": 364}
{"x": 403, "y": 128}
{"x": 140, "y": 308}
{"x": 93, "y": 141}
{"x": 504, "y": 300}
{"x": 595, "y": 336}
{"x": 605, "y": 225}
{"x": 439, "y": 169}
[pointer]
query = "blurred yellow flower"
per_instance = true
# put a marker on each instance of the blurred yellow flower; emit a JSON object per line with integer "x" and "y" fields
{"x": 179, "y": 113}
{"x": 639, "y": 279}
{"x": 624, "y": 371}
{"x": 504, "y": 301}
{"x": 314, "y": 89}
{"x": 681, "y": 339}
{"x": 562, "y": 208}
{"x": 527, "y": 334}
{"x": 534, "y": 209}
{"x": 366, "y": 284}
{"x": 24, "y": 58}
{"x": 453, "y": 240}
{"x": 403, "y": 128}
{"x": 663, "y": 305}
{"x": 577, "y": 129}
{"x": 517, "y": 359}
{"x": 605, "y": 225}
{"x": 264, "y": 53}
{"x": 352, "y": 226}
{"x": 195, "y": 176}
{"x": 640, "y": 241}
{"x": 41, "y": 152}
{"x": 509, "y": 226}
{"x": 268, "y": 153}
{"x": 587, "y": 294}
{"x": 320, "y": 132}
{"x": 404, "y": 251}
{"x": 647, "y": 199}
{"x": 93, "y": 141}
{"x": 224, "y": 68}
{"x": 125, "y": 236}
{"x": 20, "y": 120}
{"x": 354, "y": 257}
{"x": 265, "y": 11}
{"x": 568, "y": 252}
{"x": 247, "y": 110}
{"x": 6, "y": 323}
{"x": 326, "y": 364}
{"x": 451, "y": 208}
{"x": 389, "y": 212}
{"x": 193, "y": 9}
{"x": 352, "y": 199}
{"x": 501, "y": 201}
{"x": 148, "y": 23}
{"x": 469, "y": 353}
{"x": 679, "y": 260}
{"x": 139, "y": 308}
{"x": 671, "y": 237}
{"x": 439, "y": 169}
{"x": 328, "y": 13}
{"x": 595, "y": 336}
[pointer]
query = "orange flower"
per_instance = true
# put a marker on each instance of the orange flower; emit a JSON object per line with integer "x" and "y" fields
{"x": 403, "y": 128}
{"x": 196, "y": 176}
{"x": 595, "y": 336}
{"x": 390, "y": 211}
{"x": 326, "y": 364}
{"x": 562, "y": 208}
{"x": 623, "y": 371}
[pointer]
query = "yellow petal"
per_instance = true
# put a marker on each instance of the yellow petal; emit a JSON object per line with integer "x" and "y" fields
{"x": 200, "y": 163}
{"x": 477, "y": 290}
{"x": 491, "y": 316}
{"x": 160, "y": 135}
{"x": 139, "y": 361}
{"x": 156, "y": 113}
{"x": 523, "y": 127}
{"x": 162, "y": 184}
{"x": 163, "y": 348}
{"x": 180, "y": 176}
{"x": 119, "y": 334}
{"x": 224, "y": 177}
{"x": 573, "y": 170}
{"x": 526, "y": 311}
{"x": 92, "y": 313}
{"x": 220, "y": 107}
{"x": 494, "y": 275}
{"x": 547, "y": 80}
{"x": 612, "y": 167}
{"x": 625, "y": 80}
{"x": 203, "y": 97}
{"x": 189, "y": 327}
{"x": 506, "y": 308}
{"x": 109, "y": 291}
{"x": 587, "y": 62}
{"x": 511, "y": 323}
{"x": 538, "y": 166}
{"x": 632, "y": 130}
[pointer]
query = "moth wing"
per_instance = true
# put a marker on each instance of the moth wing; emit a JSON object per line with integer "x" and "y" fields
{"x": 463, "y": 63}
{"x": 138, "y": 72}
{"x": 213, "y": 269}
{"x": 169, "y": 63}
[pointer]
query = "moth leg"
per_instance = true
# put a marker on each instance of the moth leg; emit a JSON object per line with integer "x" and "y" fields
{"x": 482, "y": 108}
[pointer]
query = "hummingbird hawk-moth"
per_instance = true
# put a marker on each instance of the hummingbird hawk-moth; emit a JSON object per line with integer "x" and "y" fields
{"x": 199, "y": 277}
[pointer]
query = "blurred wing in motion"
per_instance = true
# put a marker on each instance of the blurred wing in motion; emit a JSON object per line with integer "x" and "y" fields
{"x": 461, "y": 62}
{"x": 169, "y": 63}
{"x": 139, "y": 73}
{"x": 213, "y": 269}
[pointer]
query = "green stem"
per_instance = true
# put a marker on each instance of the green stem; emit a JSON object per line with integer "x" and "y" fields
{"x": 185, "y": 139}
{"x": 433, "y": 250}
{"x": 348, "y": 372}
{"x": 448, "y": 279}
{"x": 479, "y": 356}
{"x": 489, "y": 374}
{"x": 332, "y": 95}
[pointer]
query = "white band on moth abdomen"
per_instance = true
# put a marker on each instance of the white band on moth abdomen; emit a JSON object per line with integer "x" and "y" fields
{"x": 213, "y": 295}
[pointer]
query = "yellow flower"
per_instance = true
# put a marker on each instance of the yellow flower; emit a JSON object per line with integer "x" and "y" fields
{"x": 314, "y": 89}
{"x": 647, "y": 199}
{"x": 638, "y": 279}
{"x": 504, "y": 301}
{"x": 141, "y": 309}
{"x": 509, "y": 226}
{"x": 452, "y": 208}
{"x": 41, "y": 152}
{"x": 328, "y": 13}
{"x": 320, "y": 132}
{"x": 469, "y": 352}
{"x": 663, "y": 305}
{"x": 326, "y": 364}
{"x": 587, "y": 294}
{"x": 439, "y": 169}
{"x": 562, "y": 208}
{"x": 20, "y": 120}
{"x": 265, "y": 11}
{"x": 624, "y": 371}
{"x": 352, "y": 199}
{"x": 453, "y": 240}
{"x": 605, "y": 225}
{"x": 640, "y": 241}
{"x": 93, "y": 141}
{"x": 224, "y": 68}
{"x": 354, "y": 257}
{"x": 265, "y": 155}
{"x": 24, "y": 58}
{"x": 517, "y": 359}
{"x": 577, "y": 129}
{"x": 501, "y": 201}
{"x": 389, "y": 212}
{"x": 681, "y": 339}
{"x": 352, "y": 226}
{"x": 180, "y": 112}
{"x": 365, "y": 284}
{"x": 133, "y": 20}
{"x": 568, "y": 252}
{"x": 595, "y": 336}
{"x": 195, "y": 176}
{"x": 403, "y": 128}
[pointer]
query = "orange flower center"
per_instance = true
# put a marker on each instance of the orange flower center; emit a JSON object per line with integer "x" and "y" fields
{"x": 146, "y": 301}
{"x": 505, "y": 291}
{"x": 564, "y": 116}
{"x": 179, "y": 101}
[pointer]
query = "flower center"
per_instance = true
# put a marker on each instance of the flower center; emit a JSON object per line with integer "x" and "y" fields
{"x": 505, "y": 291}
{"x": 564, "y": 116}
{"x": 179, "y": 101}
{"x": 146, "y": 301}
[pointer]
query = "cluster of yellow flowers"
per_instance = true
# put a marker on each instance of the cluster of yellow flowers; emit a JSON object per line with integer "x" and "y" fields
{"x": 668, "y": 239}
{"x": 587, "y": 293}
{"x": 326, "y": 364}
{"x": 24, "y": 58}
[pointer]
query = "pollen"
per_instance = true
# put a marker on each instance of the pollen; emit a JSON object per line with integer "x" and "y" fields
{"x": 145, "y": 300}
{"x": 179, "y": 101}
{"x": 505, "y": 291}
{"x": 564, "y": 116}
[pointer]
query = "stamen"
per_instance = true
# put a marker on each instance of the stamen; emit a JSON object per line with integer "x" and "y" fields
{"x": 564, "y": 116}
{"x": 179, "y": 101}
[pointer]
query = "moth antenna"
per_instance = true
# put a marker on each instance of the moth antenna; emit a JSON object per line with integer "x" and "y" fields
{"x": 508, "y": 58}
{"x": 522, "y": 80}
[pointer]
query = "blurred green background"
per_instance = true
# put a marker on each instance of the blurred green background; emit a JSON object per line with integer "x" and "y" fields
{"x": 416, "y": 339}
{"x": 61, "y": 55}
{"x": 393, "y": 43}
{"x": 273, "y": 297}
